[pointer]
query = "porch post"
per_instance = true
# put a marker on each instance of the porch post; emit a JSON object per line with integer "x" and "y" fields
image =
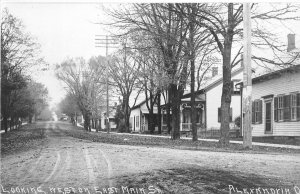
{"x": 181, "y": 117}
{"x": 162, "y": 118}
{"x": 144, "y": 122}
{"x": 203, "y": 116}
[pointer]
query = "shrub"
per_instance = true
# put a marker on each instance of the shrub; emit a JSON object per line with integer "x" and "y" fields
{"x": 237, "y": 121}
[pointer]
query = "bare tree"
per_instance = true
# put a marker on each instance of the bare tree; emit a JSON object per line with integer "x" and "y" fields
{"x": 169, "y": 31}
{"x": 80, "y": 78}
{"x": 19, "y": 51}
{"x": 223, "y": 20}
{"x": 122, "y": 68}
{"x": 69, "y": 107}
{"x": 98, "y": 90}
{"x": 151, "y": 80}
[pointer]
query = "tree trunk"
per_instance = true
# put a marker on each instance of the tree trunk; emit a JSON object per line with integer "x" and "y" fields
{"x": 226, "y": 90}
{"x": 14, "y": 123}
{"x": 168, "y": 109}
{"x": 87, "y": 124}
{"x": 10, "y": 124}
{"x": 159, "y": 113}
{"x": 30, "y": 119}
{"x": 100, "y": 123}
{"x": 126, "y": 110}
{"x": 20, "y": 122}
{"x": 75, "y": 119}
{"x": 225, "y": 101}
{"x": 175, "y": 103}
{"x": 126, "y": 118}
{"x": 97, "y": 124}
{"x": 5, "y": 124}
{"x": 151, "y": 124}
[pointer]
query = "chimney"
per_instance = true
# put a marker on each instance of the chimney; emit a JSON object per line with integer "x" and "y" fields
{"x": 214, "y": 71}
{"x": 291, "y": 42}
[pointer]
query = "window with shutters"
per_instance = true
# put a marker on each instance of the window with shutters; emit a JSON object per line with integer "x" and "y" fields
{"x": 257, "y": 112}
{"x": 294, "y": 107}
{"x": 280, "y": 108}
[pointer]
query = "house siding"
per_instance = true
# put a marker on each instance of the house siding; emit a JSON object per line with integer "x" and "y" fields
{"x": 112, "y": 124}
{"x": 135, "y": 114}
{"x": 284, "y": 85}
{"x": 213, "y": 102}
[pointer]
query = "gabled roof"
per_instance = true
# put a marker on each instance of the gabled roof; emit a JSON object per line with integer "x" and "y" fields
{"x": 138, "y": 105}
{"x": 213, "y": 83}
{"x": 144, "y": 110}
{"x": 276, "y": 74}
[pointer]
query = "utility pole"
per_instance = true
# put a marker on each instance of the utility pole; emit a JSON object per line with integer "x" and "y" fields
{"x": 109, "y": 41}
{"x": 247, "y": 80}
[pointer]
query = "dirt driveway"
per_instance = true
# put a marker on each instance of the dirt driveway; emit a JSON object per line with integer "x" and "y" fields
{"x": 62, "y": 164}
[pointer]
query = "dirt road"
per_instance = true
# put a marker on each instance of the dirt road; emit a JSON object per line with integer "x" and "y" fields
{"x": 63, "y": 164}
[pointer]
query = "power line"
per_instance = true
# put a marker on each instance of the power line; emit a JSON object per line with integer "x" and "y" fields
{"x": 106, "y": 42}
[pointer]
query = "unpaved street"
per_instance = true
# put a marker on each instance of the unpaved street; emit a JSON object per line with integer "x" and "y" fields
{"x": 62, "y": 161}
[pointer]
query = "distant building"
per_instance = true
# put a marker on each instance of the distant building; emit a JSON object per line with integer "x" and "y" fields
{"x": 139, "y": 117}
{"x": 112, "y": 122}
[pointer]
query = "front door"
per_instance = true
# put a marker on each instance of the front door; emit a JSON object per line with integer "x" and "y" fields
{"x": 268, "y": 117}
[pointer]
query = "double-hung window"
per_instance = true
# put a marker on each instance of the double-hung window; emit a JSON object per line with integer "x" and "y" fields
{"x": 287, "y": 107}
{"x": 293, "y": 107}
{"x": 257, "y": 112}
{"x": 137, "y": 121}
{"x": 280, "y": 108}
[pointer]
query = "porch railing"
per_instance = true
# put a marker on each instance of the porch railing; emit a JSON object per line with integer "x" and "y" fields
{"x": 203, "y": 132}
{"x": 188, "y": 126}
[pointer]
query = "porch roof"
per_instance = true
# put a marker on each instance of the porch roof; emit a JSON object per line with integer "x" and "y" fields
{"x": 146, "y": 111}
{"x": 197, "y": 99}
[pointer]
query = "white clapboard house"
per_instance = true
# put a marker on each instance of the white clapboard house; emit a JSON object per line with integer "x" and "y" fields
{"x": 276, "y": 98}
{"x": 276, "y": 103}
{"x": 112, "y": 113}
{"x": 208, "y": 103}
{"x": 209, "y": 97}
{"x": 139, "y": 117}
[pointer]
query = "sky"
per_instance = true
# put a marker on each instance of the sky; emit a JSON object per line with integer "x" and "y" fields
{"x": 63, "y": 30}
{"x": 68, "y": 30}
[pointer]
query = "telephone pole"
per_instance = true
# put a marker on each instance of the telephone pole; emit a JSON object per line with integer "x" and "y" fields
{"x": 107, "y": 42}
{"x": 247, "y": 80}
